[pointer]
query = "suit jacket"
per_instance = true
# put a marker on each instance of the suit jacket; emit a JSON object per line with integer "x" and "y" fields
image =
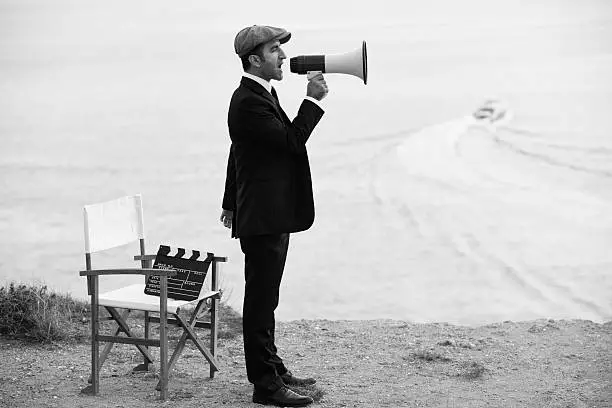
{"x": 268, "y": 184}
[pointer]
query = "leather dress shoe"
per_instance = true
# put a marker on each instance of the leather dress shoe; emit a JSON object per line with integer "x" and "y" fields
{"x": 290, "y": 379}
{"x": 283, "y": 397}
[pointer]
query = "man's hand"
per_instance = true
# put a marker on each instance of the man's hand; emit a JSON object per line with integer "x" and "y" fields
{"x": 317, "y": 88}
{"x": 226, "y": 218}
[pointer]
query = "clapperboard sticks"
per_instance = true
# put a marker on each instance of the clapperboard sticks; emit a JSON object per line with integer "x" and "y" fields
{"x": 191, "y": 273}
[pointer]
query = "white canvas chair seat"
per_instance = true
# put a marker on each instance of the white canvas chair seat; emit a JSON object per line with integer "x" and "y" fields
{"x": 120, "y": 222}
{"x": 133, "y": 297}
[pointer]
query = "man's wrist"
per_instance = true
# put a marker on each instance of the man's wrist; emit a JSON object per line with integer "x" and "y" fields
{"x": 313, "y": 100}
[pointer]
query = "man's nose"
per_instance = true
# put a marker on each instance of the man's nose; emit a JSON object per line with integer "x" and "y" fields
{"x": 282, "y": 54}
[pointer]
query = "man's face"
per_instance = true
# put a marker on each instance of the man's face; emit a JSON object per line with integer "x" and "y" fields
{"x": 273, "y": 57}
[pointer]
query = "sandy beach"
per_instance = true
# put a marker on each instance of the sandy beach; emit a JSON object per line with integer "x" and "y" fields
{"x": 384, "y": 363}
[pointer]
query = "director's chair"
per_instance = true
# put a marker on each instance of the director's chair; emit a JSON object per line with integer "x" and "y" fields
{"x": 120, "y": 222}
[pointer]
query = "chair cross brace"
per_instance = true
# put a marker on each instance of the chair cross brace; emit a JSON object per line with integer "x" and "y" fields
{"x": 188, "y": 333}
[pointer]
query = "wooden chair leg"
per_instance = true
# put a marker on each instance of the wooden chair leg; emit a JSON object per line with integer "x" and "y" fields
{"x": 93, "y": 389}
{"x": 163, "y": 335}
{"x": 214, "y": 314}
{"x": 178, "y": 350}
{"x": 147, "y": 323}
{"x": 214, "y": 310}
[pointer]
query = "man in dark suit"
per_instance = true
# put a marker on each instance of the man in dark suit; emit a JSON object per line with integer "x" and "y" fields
{"x": 268, "y": 195}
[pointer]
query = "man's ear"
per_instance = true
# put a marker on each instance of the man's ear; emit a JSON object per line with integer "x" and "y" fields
{"x": 255, "y": 60}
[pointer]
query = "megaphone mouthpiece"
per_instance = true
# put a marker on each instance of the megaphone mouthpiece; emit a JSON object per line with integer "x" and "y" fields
{"x": 304, "y": 63}
{"x": 352, "y": 63}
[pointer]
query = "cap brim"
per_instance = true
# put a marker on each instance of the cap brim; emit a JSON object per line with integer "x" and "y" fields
{"x": 284, "y": 37}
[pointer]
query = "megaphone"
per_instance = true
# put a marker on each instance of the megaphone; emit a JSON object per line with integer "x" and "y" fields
{"x": 352, "y": 63}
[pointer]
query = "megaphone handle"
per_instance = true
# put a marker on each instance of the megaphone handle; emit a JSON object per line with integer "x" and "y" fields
{"x": 312, "y": 74}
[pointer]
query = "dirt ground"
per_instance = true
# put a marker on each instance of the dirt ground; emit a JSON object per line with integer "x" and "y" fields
{"x": 541, "y": 363}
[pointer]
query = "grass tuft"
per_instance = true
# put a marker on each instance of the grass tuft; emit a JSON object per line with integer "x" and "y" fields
{"x": 36, "y": 313}
{"x": 473, "y": 370}
{"x": 230, "y": 322}
{"x": 430, "y": 355}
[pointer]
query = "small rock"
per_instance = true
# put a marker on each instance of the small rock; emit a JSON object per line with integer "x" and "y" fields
{"x": 468, "y": 345}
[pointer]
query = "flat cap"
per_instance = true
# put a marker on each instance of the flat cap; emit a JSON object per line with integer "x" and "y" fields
{"x": 250, "y": 37}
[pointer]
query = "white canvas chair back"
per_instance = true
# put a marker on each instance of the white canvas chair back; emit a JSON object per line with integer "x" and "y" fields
{"x": 113, "y": 223}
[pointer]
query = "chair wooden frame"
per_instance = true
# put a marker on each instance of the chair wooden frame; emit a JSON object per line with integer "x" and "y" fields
{"x": 163, "y": 314}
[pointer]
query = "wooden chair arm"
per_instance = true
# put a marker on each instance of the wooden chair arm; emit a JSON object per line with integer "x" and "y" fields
{"x": 129, "y": 271}
{"x": 144, "y": 257}
{"x": 152, "y": 258}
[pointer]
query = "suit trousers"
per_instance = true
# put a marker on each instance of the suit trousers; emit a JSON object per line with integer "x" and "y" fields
{"x": 264, "y": 262}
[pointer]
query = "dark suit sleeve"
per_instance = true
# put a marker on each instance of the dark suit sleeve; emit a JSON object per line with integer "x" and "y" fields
{"x": 261, "y": 122}
{"x": 229, "y": 196}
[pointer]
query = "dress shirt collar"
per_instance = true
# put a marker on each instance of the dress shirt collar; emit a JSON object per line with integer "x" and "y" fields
{"x": 267, "y": 86}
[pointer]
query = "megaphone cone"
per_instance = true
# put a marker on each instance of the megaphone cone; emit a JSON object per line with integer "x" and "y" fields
{"x": 352, "y": 63}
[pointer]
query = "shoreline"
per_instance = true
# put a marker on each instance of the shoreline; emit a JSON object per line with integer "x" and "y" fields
{"x": 358, "y": 363}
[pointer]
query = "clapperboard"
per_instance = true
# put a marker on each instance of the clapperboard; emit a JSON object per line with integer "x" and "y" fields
{"x": 191, "y": 272}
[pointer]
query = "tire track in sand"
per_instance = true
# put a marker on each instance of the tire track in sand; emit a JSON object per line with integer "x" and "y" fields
{"x": 425, "y": 180}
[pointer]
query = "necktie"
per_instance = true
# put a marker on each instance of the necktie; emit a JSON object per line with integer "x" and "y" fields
{"x": 280, "y": 110}
{"x": 275, "y": 95}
